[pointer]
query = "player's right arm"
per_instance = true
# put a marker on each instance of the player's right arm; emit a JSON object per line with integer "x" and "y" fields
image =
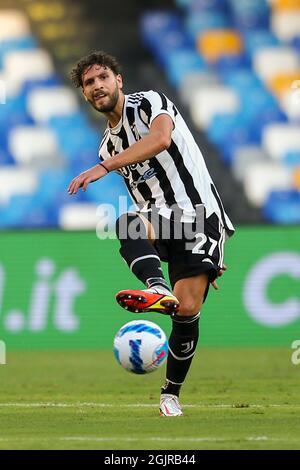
{"x": 88, "y": 176}
{"x": 157, "y": 140}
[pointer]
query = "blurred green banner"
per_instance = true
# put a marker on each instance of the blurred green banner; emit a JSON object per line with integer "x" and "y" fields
{"x": 57, "y": 291}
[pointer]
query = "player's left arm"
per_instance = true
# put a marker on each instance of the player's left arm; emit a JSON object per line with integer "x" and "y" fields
{"x": 220, "y": 273}
{"x": 158, "y": 139}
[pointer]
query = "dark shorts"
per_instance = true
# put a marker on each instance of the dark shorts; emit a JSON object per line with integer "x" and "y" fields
{"x": 194, "y": 252}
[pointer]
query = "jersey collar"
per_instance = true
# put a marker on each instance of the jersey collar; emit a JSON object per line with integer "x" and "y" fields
{"x": 117, "y": 128}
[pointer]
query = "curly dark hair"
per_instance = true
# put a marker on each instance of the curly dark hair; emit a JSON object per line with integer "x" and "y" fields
{"x": 95, "y": 57}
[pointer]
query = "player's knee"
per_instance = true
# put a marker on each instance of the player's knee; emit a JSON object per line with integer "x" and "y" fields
{"x": 189, "y": 307}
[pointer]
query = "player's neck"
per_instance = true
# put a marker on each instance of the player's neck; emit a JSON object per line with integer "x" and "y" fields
{"x": 114, "y": 116}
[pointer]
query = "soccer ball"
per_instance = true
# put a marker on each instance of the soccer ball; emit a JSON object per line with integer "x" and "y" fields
{"x": 140, "y": 346}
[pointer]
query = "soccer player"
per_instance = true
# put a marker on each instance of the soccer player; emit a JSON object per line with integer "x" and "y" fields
{"x": 179, "y": 217}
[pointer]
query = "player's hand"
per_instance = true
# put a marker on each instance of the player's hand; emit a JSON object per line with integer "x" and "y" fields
{"x": 85, "y": 178}
{"x": 220, "y": 273}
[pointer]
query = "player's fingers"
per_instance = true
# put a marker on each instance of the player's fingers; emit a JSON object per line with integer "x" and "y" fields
{"x": 86, "y": 183}
{"x": 79, "y": 184}
{"x": 75, "y": 185}
{"x": 215, "y": 285}
{"x": 72, "y": 188}
{"x": 222, "y": 270}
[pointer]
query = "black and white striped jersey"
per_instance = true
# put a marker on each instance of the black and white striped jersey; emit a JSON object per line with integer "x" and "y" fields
{"x": 175, "y": 177}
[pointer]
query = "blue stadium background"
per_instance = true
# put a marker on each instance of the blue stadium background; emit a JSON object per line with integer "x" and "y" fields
{"x": 231, "y": 66}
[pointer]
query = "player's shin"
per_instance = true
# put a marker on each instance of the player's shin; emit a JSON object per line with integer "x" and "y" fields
{"x": 182, "y": 347}
{"x": 139, "y": 254}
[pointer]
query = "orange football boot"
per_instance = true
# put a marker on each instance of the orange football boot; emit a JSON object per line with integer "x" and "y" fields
{"x": 149, "y": 300}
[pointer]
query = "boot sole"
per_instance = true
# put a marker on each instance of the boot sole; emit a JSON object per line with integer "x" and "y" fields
{"x": 169, "y": 306}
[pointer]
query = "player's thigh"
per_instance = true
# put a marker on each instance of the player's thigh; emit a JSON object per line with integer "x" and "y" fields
{"x": 158, "y": 231}
{"x": 155, "y": 229}
{"x": 149, "y": 227}
{"x": 191, "y": 292}
{"x": 134, "y": 223}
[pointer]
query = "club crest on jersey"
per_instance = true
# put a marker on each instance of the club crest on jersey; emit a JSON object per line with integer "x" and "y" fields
{"x": 146, "y": 176}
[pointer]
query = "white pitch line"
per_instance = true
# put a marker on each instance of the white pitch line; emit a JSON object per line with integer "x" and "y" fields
{"x": 144, "y": 405}
{"x": 175, "y": 439}
{"x": 147, "y": 439}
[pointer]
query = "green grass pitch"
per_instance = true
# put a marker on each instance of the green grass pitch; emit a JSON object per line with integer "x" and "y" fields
{"x": 233, "y": 399}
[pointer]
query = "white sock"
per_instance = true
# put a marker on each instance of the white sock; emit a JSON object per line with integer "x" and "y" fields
{"x": 159, "y": 290}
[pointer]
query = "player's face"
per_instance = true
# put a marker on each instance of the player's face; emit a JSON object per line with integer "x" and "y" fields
{"x": 101, "y": 88}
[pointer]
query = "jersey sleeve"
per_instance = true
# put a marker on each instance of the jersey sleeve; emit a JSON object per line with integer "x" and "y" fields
{"x": 102, "y": 152}
{"x": 153, "y": 104}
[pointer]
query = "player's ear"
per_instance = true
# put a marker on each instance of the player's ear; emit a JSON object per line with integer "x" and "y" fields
{"x": 84, "y": 95}
{"x": 120, "y": 81}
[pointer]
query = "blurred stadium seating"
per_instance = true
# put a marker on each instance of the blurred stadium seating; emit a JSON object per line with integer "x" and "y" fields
{"x": 45, "y": 136}
{"x": 236, "y": 65}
